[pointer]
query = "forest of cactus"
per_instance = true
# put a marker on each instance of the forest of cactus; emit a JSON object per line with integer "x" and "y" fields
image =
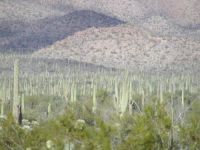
{"x": 99, "y": 74}
{"x": 73, "y": 106}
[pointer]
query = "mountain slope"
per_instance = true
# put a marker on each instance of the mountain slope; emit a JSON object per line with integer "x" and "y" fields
{"x": 31, "y": 25}
{"x": 126, "y": 46}
{"x": 46, "y": 31}
{"x": 183, "y": 12}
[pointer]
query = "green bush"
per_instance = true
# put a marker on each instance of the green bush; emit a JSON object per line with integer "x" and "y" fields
{"x": 190, "y": 131}
{"x": 149, "y": 130}
{"x": 79, "y": 127}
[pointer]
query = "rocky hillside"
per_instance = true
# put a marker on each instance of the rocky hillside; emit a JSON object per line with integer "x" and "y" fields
{"x": 163, "y": 17}
{"x": 27, "y": 25}
{"x": 49, "y": 30}
{"x": 164, "y": 32}
{"x": 126, "y": 46}
{"x": 182, "y": 12}
{"x": 32, "y": 25}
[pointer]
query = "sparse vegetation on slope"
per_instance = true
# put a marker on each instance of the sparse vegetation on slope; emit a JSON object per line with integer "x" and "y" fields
{"x": 126, "y": 47}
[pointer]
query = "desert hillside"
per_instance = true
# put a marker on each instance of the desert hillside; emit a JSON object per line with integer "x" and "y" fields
{"x": 46, "y": 31}
{"x": 31, "y": 25}
{"x": 182, "y": 12}
{"x": 27, "y": 25}
{"x": 126, "y": 46}
{"x": 163, "y": 17}
{"x": 159, "y": 32}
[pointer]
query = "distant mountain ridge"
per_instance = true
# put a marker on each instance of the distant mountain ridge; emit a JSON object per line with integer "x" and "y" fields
{"x": 27, "y": 25}
{"x": 164, "y": 32}
{"x": 182, "y": 12}
{"x": 126, "y": 47}
{"x": 45, "y": 32}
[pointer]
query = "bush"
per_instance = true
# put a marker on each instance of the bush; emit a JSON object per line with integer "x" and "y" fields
{"x": 190, "y": 131}
{"x": 149, "y": 130}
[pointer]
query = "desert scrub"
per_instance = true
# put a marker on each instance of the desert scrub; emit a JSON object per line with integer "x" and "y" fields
{"x": 149, "y": 130}
{"x": 36, "y": 107}
{"x": 190, "y": 131}
{"x": 58, "y": 132}
{"x": 64, "y": 130}
{"x": 84, "y": 130}
{"x": 12, "y": 136}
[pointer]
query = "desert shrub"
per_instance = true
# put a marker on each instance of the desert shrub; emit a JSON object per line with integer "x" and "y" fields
{"x": 149, "y": 130}
{"x": 78, "y": 126}
{"x": 103, "y": 96}
{"x": 63, "y": 129}
{"x": 190, "y": 130}
{"x": 11, "y": 135}
{"x": 59, "y": 131}
{"x": 36, "y": 107}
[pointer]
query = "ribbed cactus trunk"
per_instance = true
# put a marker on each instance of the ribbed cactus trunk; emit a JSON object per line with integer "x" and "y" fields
{"x": 49, "y": 109}
{"x": 182, "y": 98}
{"x": 2, "y": 108}
{"x": 124, "y": 98}
{"x": 2, "y": 102}
{"x": 116, "y": 96}
{"x": 143, "y": 99}
{"x": 161, "y": 93}
{"x": 73, "y": 93}
{"x": 94, "y": 99}
{"x": 23, "y": 104}
{"x": 17, "y": 114}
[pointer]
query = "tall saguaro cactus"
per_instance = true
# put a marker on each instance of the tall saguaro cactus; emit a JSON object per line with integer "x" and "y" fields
{"x": 16, "y": 100}
{"x": 2, "y": 102}
{"x": 22, "y": 103}
{"x": 94, "y": 99}
{"x": 182, "y": 97}
{"x": 124, "y": 97}
{"x": 49, "y": 109}
{"x": 73, "y": 93}
{"x": 161, "y": 93}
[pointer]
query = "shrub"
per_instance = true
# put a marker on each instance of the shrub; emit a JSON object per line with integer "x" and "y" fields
{"x": 149, "y": 130}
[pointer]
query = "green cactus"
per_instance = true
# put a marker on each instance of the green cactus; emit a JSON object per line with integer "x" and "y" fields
{"x": 23, "y": 103}
{"x": 73, "y": 93}
{"x": 16, "y": 101}
{"x": 94, "y": 99}
{"x": 182, "y": 97}
{"x": 143, "y": 99}
{"x": 124, "y": 99}
{"x": 161, "y": 93}
{"x": 2, "y": 102}
{"x": 49, "y": 109}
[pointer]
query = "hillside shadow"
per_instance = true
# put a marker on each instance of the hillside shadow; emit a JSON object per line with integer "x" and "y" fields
{"x": 47, "y": 31}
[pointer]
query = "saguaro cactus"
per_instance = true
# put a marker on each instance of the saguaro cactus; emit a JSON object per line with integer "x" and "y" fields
{"x": 49, "y": 109}
{"x": 116, "y": 95}
{"x": 23, "y": 103}
{"x": 94, "y": 108}
{"x": 143, "y": 99}
{"x": 124, "y": 97}
{"x": 182, "y": 97}
{"x": 2, "y": 102}
{"x": 16, "y": 100}
{"x": 161, "y": 93}
{"x": 73, "y": 93}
